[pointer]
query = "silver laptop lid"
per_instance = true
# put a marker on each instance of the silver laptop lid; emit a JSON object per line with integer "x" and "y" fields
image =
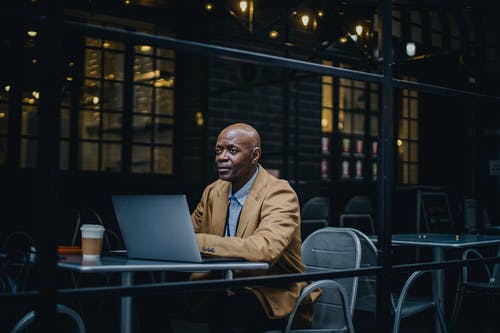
{"x": 156, "y": 227}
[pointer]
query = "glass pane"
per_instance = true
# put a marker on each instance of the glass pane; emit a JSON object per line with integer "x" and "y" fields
{"x": 28, "y": 153}
{"x": 327, "y": 79}
{"x": 414, "y": 152}
{"x": 327, "y": 95}
{"x": 346, "y": 145}
{"x": 164, "y": 102}
{"x": 111, "y": 157}
{"x": 403, "y": 129}
{"x": 111, "y": 126}
{"x": 93, "y": 41}
{"x": 163, "y": 160}
{"x": 359, "y": 99}
{"x": 413, "y": 174}
{"x": 113, "y": 96}
{"x": 359, "y": 84}
{"x": 413, "y": 129}
{"x": 404, "y": 107}
{"x": 144, "y": 70}
{"x": 141, "y": 159}
{"x": 88, "y": 125}
{"x": 374, "y": 102}
{"x": 144, "y": 49}
{"x": 113, "y": 63}
{"x": 29, "y": 120}
{"x": 374, "y": 170}
{"x": 405, "y": 176}
{"x": 347, "y": 128}
{"x": 327, "y": 120}
{"x": 342, "y": 98}
{"x": 324, "y": 170}
{"x": 65, "y": 117}
{"x": 164, "y": 131}
{"x": 414, "y": 108}
{"x": 89, "y": 152}
{"x": 345, "y": 170}
{"x": 359, "y": 170}
{"x": 141, "y": 129}
{"x": 373, "y": 126}
{"x": 64, "y": 155}
{"x": 359, "y": 123}
{"x": 93, "y": 66}
{"x": 166, "y": 67}
{"x": 91, "y": 95}
{"x": 166, "y": 53}
{"x": 143, "y": 97}
{"x": 4, "y": 118}
{"x": 112, "y": 45}
{"x": 3, "y": 150}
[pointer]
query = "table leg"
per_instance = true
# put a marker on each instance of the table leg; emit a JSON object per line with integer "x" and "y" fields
{"x": 438, "y": 285}
{"x": 126, "y": 304}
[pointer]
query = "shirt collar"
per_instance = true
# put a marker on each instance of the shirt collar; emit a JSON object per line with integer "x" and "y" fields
{"x": 242, "y": 193}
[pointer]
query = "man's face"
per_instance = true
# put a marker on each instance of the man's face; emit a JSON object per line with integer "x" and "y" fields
{"x": 233, "y": 157}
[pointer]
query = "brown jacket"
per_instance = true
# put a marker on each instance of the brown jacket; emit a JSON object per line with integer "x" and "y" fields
{"x": 268, "y": 231}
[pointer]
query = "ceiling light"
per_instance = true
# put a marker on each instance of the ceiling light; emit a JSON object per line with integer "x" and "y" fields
{"x": 321, "y": 13}
{"x": 273, "y": 34}
{"x": 32, "y": 33}
{"x": 410, "y": 49}
{"x": 343, "y": 40}
{"x": 209, "y": 6}
{"x": 359, "y": 29}
{"x": 243, "y": 5}
{"x": 305, "y": 20}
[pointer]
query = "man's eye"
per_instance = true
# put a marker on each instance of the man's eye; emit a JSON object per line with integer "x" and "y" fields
{"x": 233, "y": 151}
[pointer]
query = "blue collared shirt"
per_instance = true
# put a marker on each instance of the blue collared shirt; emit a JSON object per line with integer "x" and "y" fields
{"x": 236, "y": 202}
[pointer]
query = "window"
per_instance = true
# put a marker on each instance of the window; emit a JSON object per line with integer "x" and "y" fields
{"x": 407, "y": 143}
{"x": 356, "y": 129}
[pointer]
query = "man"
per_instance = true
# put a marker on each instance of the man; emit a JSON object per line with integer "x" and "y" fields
{"x": 250, "y": 214}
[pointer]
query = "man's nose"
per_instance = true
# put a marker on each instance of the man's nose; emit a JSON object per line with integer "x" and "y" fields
{"x": 223, "y": 155}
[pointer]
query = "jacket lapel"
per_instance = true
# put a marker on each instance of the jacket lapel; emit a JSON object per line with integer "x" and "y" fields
{"x": 220, "y": 209}
{"x": 251, "y": 203}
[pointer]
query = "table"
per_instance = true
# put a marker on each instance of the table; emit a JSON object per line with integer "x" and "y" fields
{"x": 127, "y": 267}
{"x": 439, "y": 243}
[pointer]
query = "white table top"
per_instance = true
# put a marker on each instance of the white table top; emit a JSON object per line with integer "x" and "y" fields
{"x": 123, "y": 264}
{"x": 443, "y": 240}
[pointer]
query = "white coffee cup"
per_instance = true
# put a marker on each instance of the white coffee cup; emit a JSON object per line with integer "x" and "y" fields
{"x": 92, "y": 235}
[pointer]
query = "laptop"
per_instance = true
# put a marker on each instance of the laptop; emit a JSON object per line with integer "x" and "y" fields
{"x": 158, "y": 227}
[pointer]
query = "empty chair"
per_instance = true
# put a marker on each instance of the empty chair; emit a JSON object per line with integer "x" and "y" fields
{"x": 28, "y": 319}
{"x": 331, "y": 249}
{"x": 402, "y": 305}
{"x": 314, "y": 215}
{"x": 477, "y": 279}
{"x": 358, "y": 214}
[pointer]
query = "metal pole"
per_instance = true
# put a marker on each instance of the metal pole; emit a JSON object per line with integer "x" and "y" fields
{"x": 385, "y": 174}
{"x": 48, "y": 165}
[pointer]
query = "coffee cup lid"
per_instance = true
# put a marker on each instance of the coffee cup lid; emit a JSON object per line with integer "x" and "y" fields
{"x": 91, "y": 227}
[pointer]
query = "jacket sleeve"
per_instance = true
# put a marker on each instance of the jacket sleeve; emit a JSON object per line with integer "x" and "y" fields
{"x": 271, "y": 229}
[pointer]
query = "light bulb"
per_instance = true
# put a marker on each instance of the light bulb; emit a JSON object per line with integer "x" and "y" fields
{"x": 359, "y": 29}
{"x": 304, "y": 19}
{"x": 410, "y": 49}
{"x": 243, "y": 5}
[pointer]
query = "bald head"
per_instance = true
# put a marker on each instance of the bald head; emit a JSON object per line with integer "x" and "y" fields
{"x": 237, "y": 153}
{"x": 245, "y": 131}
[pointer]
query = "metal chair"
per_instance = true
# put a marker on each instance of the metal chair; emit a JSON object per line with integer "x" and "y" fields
{"x": 29, "y": 319}
{"x": 402, "y": 304}
{"x": 357, "y": 211}
{"x": 314, "y": 215}
{"x": 330, "y": 249}
{"x": 476, "y": 280}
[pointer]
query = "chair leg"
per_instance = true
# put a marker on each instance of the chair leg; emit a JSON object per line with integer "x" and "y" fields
{"x": 456, "y": 307}
{"x": 441, "y": 320}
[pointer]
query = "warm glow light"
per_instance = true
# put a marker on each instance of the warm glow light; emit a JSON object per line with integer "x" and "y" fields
{"x": 145, "y": 48}
{"x": 243, "y": 5}
{"x": 304, "y": 19}
{"x": 199, "y": 119}
{"x": 69, "y": 78}
{"x": 273, "y": 34}
{"x": 106, "y": 45}
{"x": 399, "y": 142}
{"x": 2, "y": 114}
{"x": 359, "y": 29}
{"x": 95, "y": 100}
{"x": 321, "y": 13}
{"x": 340, "y": 126}
{"x": 410, "y": 49}
{"x": 7, "y": 88}
{"x": 32, "y": 33}
{"x": 127, "y": 2}
{"x": 209, "y": 6}
{"x": 34, "y": 61}
{"x": 343, "y": 40}
{"x": 36, "y": 94}
{"x": 354, "y": 37}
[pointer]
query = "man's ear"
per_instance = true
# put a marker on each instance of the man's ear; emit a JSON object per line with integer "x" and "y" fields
{"x": 256, "y": 152}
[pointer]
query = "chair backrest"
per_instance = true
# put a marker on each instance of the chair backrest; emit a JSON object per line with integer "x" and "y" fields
{"x": 316, "y": 208}
{"x": 359, "y": 204}
{"x": 367, "y": 284}
{"x": 357, "y": 214}
{"x": 333, "y": 249}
